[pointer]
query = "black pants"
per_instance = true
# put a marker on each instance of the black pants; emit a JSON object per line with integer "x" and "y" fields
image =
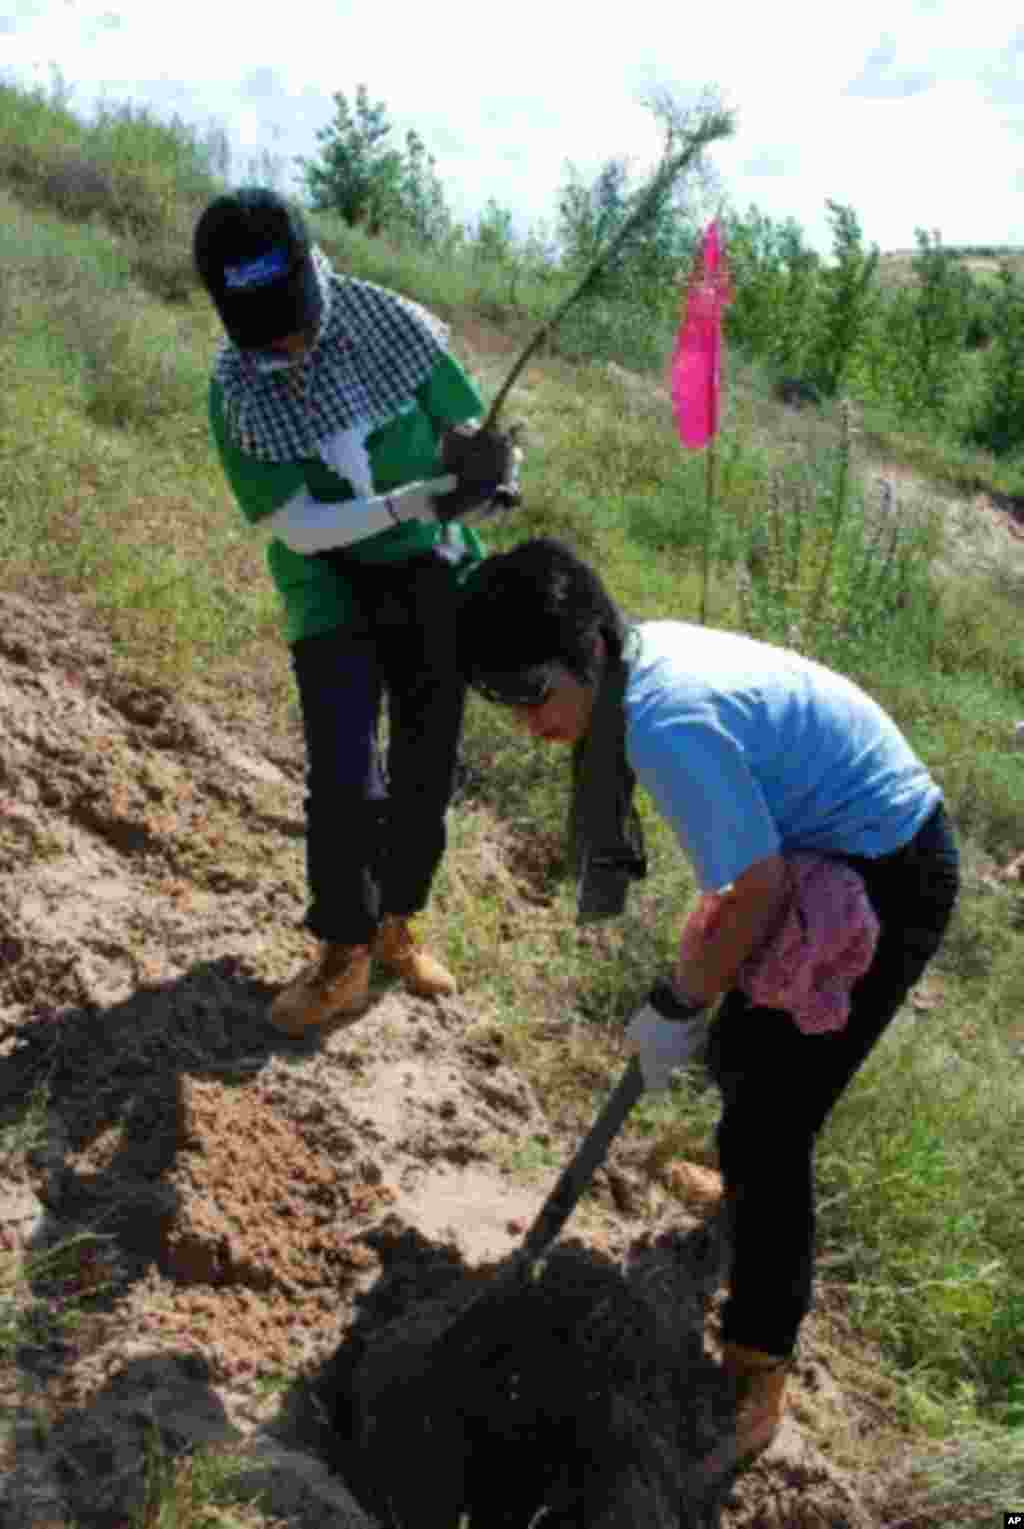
{"x": 375, "y": 833}
{"x": 778, "y": 1086}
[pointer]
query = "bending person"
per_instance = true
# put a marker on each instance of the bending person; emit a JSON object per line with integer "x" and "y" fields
{"x": 762, "y": 761}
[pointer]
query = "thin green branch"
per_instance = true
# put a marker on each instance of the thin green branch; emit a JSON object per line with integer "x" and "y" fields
{"x": 716, "y": 124}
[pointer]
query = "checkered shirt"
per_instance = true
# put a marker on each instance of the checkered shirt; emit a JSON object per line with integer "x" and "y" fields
{"x": 373, "y": 350}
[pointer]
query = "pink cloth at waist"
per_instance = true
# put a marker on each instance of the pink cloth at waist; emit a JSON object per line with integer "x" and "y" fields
{"x": 825, "y": 941}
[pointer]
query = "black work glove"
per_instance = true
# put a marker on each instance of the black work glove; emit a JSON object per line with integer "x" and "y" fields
{"x": 486, "y": 464}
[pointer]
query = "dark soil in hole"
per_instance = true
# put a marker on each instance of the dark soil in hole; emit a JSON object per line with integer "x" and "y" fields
{"x": 584, "y": 1397}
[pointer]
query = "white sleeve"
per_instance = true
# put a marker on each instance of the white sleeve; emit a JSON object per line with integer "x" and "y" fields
{"x": 307, "y": 525}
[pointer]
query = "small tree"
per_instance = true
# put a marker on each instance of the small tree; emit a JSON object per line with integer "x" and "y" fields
{"x": 688, "y": 134}
{"x": 357, "y": 174}
{"x": 588, "y": 216}
{"x": 645, "y": 270}
{"x": 774, "y": 277}
{"x": 926, "y": 328}
{"x": 846, "y": 299}
{"x": 539, "y": 252}
{"x": 494, "y": 237}
{"x": 368, "y": 182}
{"x": 423, "y": 208}
{"x": 796, "y": 316}
{"x": 999, "y": 420}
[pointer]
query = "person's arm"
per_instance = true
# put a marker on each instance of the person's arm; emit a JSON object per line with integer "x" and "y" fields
{"x": 749, "y": 911}
{"x": 702, "y": 782}
{"x": 275, "y": 496}
{"x": 309, "y": 525}
{"x": 669, "y": 1029}
{"x": 486, "y": 462}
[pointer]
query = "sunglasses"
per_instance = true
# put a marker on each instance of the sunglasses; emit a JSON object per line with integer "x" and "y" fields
{"x": 271, "y": 358}
{"x": 272, "y": 361}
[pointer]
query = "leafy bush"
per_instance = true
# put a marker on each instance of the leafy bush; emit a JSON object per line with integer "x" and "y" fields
{"x": 999, "y": 419}
{"x": 819, "y": 569}
{"x": 775, "y": 279}
{"x": 163, "y": 264}
{"x": 369, "y": 183}
{"x": 38, "y": 134}
{"x": 845, "y": 300}
{"x": 981, "y": 318}
{"x": 138, "y": 173}
{"x": 128, "y": 378}
{"x": 925, "y": 329}
{"x": 77, "y": 188}
{"x": 645, "y": 270}
{"x": 599, "y": 329}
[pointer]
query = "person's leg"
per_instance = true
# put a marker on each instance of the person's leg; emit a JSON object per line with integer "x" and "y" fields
{"x": 339, "y": 691}
{"x": 778, "y": 1086}
{"x": 765, "y": 1148}
{"x": 339, "y": 684}
{"x": 426, "y": 694}
{"x": 764, "y": 1068}
{"x": 426, "y": 698}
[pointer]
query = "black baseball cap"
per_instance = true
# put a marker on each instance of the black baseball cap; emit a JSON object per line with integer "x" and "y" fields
{"x": 254, "y": 256}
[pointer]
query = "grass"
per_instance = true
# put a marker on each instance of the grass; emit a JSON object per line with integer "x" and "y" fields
{"x": 110, "y": 491}
{"x": 44, "y": 1292}
{"x": 197, "y": 1491}
{"x": 121, "y": 508}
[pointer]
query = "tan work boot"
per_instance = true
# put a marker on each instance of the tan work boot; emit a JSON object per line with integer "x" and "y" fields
{"x": 699, "y": 1187}
{"x": 337, "y": 983}
{"x": 760, "y": 1381}
{"x": 759, "y": 1386}
{"x": 421, "y": 972}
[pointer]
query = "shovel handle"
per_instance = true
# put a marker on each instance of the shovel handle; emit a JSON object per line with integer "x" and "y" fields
{"x": 475, "y": 1320}
{"x": 590, "y": 1154}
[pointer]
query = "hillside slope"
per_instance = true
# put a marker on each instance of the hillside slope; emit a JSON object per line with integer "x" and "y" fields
{"x": 240, "y": 1202}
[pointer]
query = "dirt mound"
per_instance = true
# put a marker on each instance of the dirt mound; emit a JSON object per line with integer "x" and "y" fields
{"x": 256, "y": 1219}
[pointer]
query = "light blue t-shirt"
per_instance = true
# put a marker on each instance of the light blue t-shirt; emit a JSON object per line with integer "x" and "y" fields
{"x": 749, "y": 750}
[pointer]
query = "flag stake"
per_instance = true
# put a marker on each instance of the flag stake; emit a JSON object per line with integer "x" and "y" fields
{"x": 696, "y": 372}
{"x": 709, "y": 500}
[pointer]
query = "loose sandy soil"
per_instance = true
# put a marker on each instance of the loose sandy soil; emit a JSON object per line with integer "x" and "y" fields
{"x": 240, "y": 1198}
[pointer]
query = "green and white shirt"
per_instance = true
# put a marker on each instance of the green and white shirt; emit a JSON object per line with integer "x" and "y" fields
{"x": 403, "y": 449}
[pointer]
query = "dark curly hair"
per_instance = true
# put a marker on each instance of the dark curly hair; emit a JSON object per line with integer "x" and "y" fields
{"x": 538, "y": 604}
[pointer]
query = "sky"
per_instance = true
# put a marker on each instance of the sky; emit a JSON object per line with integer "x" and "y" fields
{"x": 911, "y": 111}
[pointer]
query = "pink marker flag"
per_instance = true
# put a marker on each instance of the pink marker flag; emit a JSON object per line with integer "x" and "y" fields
{"x": 697, "y": 358}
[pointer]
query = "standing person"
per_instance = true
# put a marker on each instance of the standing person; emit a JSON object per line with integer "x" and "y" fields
{"x": 332, "y": 406}
{"x": 761, "y": 761}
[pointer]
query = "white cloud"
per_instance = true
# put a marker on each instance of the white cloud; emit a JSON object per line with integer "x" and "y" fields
{"x": 504, "y": 104}
{"x": 942, "y": 160}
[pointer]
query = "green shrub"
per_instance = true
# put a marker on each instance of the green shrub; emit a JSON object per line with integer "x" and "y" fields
{"x": 129, "y": 377}
{"x": 599, "y": 329}
{"x": 924, "y": 328}
{"x": 775, "y": 281}
{"x": 78, "y": 189}
{"x": 845, "y": 295}
{"x": 999, "y": 417}
{"x": 164, "y": 266}
{"x": 131, "y": 169}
